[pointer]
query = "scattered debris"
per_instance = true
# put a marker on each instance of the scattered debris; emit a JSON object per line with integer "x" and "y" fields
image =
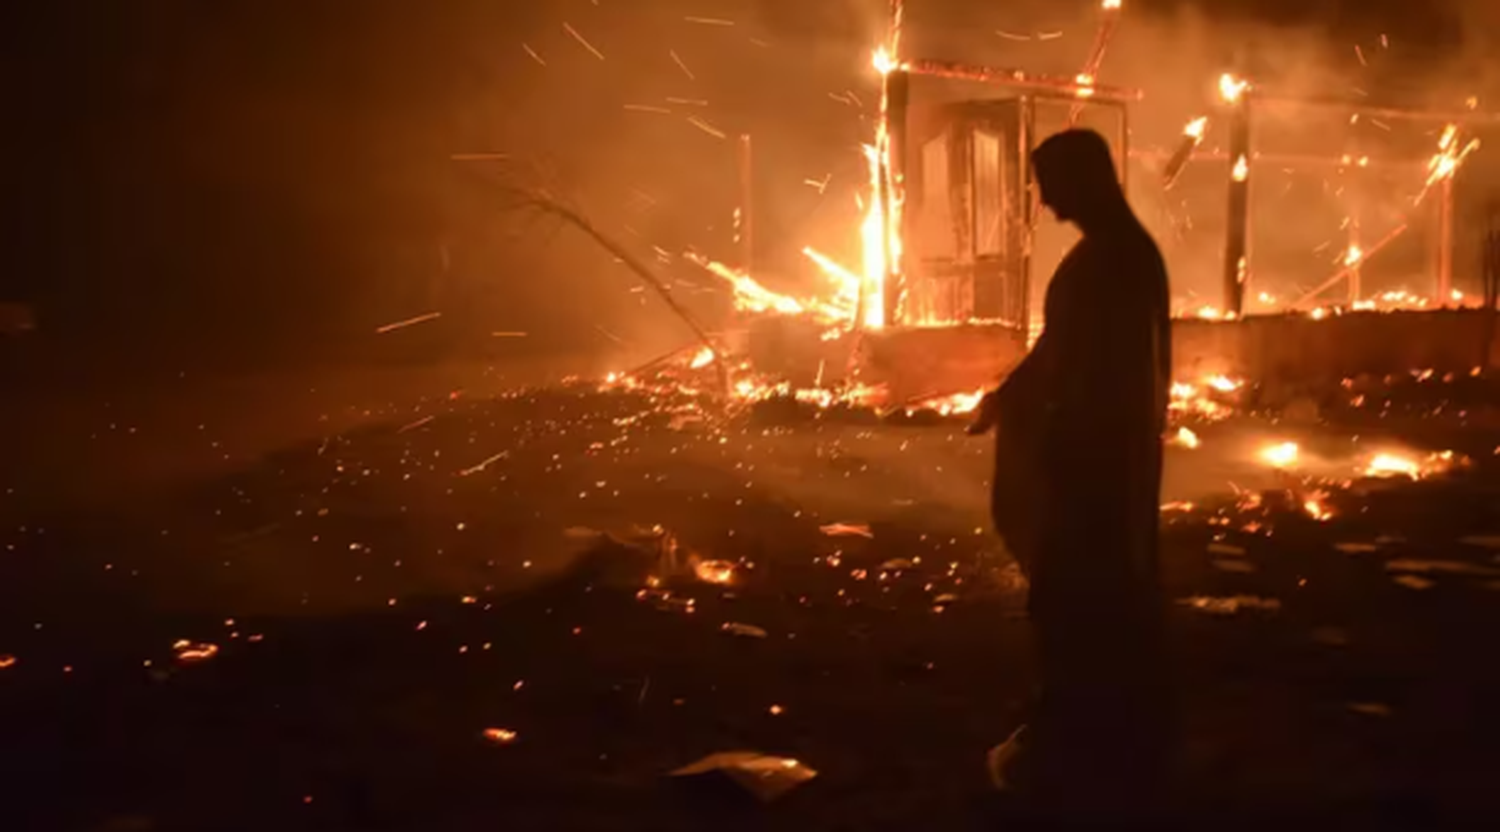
{"x": 765, "y": 777}
{"x": 1414, "y": 582}
{"x": 714, "y": 571}
{"x": 743, "y": 630}
{"x": 1226, "y": 549}
{"x": 500, "y": 736}
{"x": 189, "y": 652}
{"x": 847, "y": 530}
{"x": 1483, "y": 541}
{"x": 1356, "y": 548}
{"x": 1230, "y": 605}
{"x": 1442, "y": 567}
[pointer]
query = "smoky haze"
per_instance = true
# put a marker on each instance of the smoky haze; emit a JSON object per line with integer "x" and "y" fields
{"x": 271, "y": 181}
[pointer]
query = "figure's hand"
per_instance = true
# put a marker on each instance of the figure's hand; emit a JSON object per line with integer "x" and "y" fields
{"x": 987, "y": 415}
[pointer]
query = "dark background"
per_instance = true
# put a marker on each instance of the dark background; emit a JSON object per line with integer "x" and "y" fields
{"x": 269, "y": 181}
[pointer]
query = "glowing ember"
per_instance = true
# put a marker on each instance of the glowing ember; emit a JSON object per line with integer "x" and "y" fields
{"x": 954, "y": 405}
{"x": 189, "y": 652}
{"x": 1241, "y": 169}
{"x": 714, "y": 571}
{"x": 1282, "y": 455}
{"x": 1223, "y": 384}
{"x": 1316, "y": 508}
{"x": 1232, "y": 89}
{"x": 1196, "y": 128}
{"x": 1391, "y": 465}
{"x": 1353, "y": 256}
{"x": 704, "y": 358}
{"x": 1193, "y": 400}
{"x": 7, "y": 661}
{"x": 1186, "y": 439}
{"x": 884, "y": 63}
{"x": 500, "y": 736}
{"x": 1111, "y": 4}
{"x": 847, "y": 530}
{"x": 1445, "y": 163}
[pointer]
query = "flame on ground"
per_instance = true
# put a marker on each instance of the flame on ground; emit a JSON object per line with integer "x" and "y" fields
{"x": 714, "y": 571}
{"x": 1187, "y": 439}
{"x": 1392, "y": 464}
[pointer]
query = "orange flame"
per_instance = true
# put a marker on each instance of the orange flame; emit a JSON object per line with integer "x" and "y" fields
{"x": 1232, "y": 89}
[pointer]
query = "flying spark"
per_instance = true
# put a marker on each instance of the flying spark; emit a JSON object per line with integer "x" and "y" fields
{"x": 568, "y": 27}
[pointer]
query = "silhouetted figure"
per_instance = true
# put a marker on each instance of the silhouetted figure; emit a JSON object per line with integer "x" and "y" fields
{"x": 1077, "y": 488}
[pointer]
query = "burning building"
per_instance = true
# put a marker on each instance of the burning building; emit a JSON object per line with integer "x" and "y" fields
{"x": 945, "y": 296}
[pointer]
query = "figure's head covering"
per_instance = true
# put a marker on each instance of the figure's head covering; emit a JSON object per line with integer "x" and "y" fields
{"x": 1076, "y": 173}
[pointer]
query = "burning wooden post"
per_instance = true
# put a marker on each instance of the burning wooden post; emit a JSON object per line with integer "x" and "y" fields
{"x": 1237, "y": 237}
{"x": 1445, "y": 243}
{"x": 893, "y": 184}
{"x": 1192, "y": 136}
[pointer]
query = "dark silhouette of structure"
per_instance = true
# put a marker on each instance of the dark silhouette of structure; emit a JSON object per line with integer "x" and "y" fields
{"x": 1078, "y": 476}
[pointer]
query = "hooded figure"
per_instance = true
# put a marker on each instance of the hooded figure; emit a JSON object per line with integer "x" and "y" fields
{"x": 1077, "y": 482}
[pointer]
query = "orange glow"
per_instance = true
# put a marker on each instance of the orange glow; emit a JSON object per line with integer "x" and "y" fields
{"x": 1223, "y": 384}
{"x": 1111, "y": 5}
{"x": 705, "y": 357}
{"x": 1445, "y": 163}
{"x": 7, "y": 661}
{"x": 1353, "y": 256}
{"x": 1316, "y": 508}
{"x": 1241, "y": 169}
{"x": 1392, "y": 465}
{"x": 714, "y": 571}
{"x": 1196, "y": 128}
{"x": 1281, "y": 455}
{"x": 500, "y": 736}
{"x": 1389, "y": 464}
{"x": 1232, "y": 89}
{"x": 751, "y": 296}
{"x": 955, "y": 404}
{"x": 189, "y": 652}
{"x": 1187, "y": 439}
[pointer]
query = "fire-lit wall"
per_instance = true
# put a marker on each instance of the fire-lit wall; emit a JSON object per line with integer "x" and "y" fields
{"x": 1297, "y": 349}
{"x": 1284, "y": 352}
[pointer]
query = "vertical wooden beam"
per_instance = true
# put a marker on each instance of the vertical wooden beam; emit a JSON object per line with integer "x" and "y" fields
{"x": 1445, "y": 244}
{"x": 898, "y": 104}
{"x": 1237, "y": 238}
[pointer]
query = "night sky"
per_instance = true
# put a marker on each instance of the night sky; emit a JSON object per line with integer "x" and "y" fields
{"x": 271, "y": 180}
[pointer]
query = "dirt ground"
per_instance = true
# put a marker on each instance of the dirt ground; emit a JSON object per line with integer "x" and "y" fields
{"x": 386, "y": 566}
